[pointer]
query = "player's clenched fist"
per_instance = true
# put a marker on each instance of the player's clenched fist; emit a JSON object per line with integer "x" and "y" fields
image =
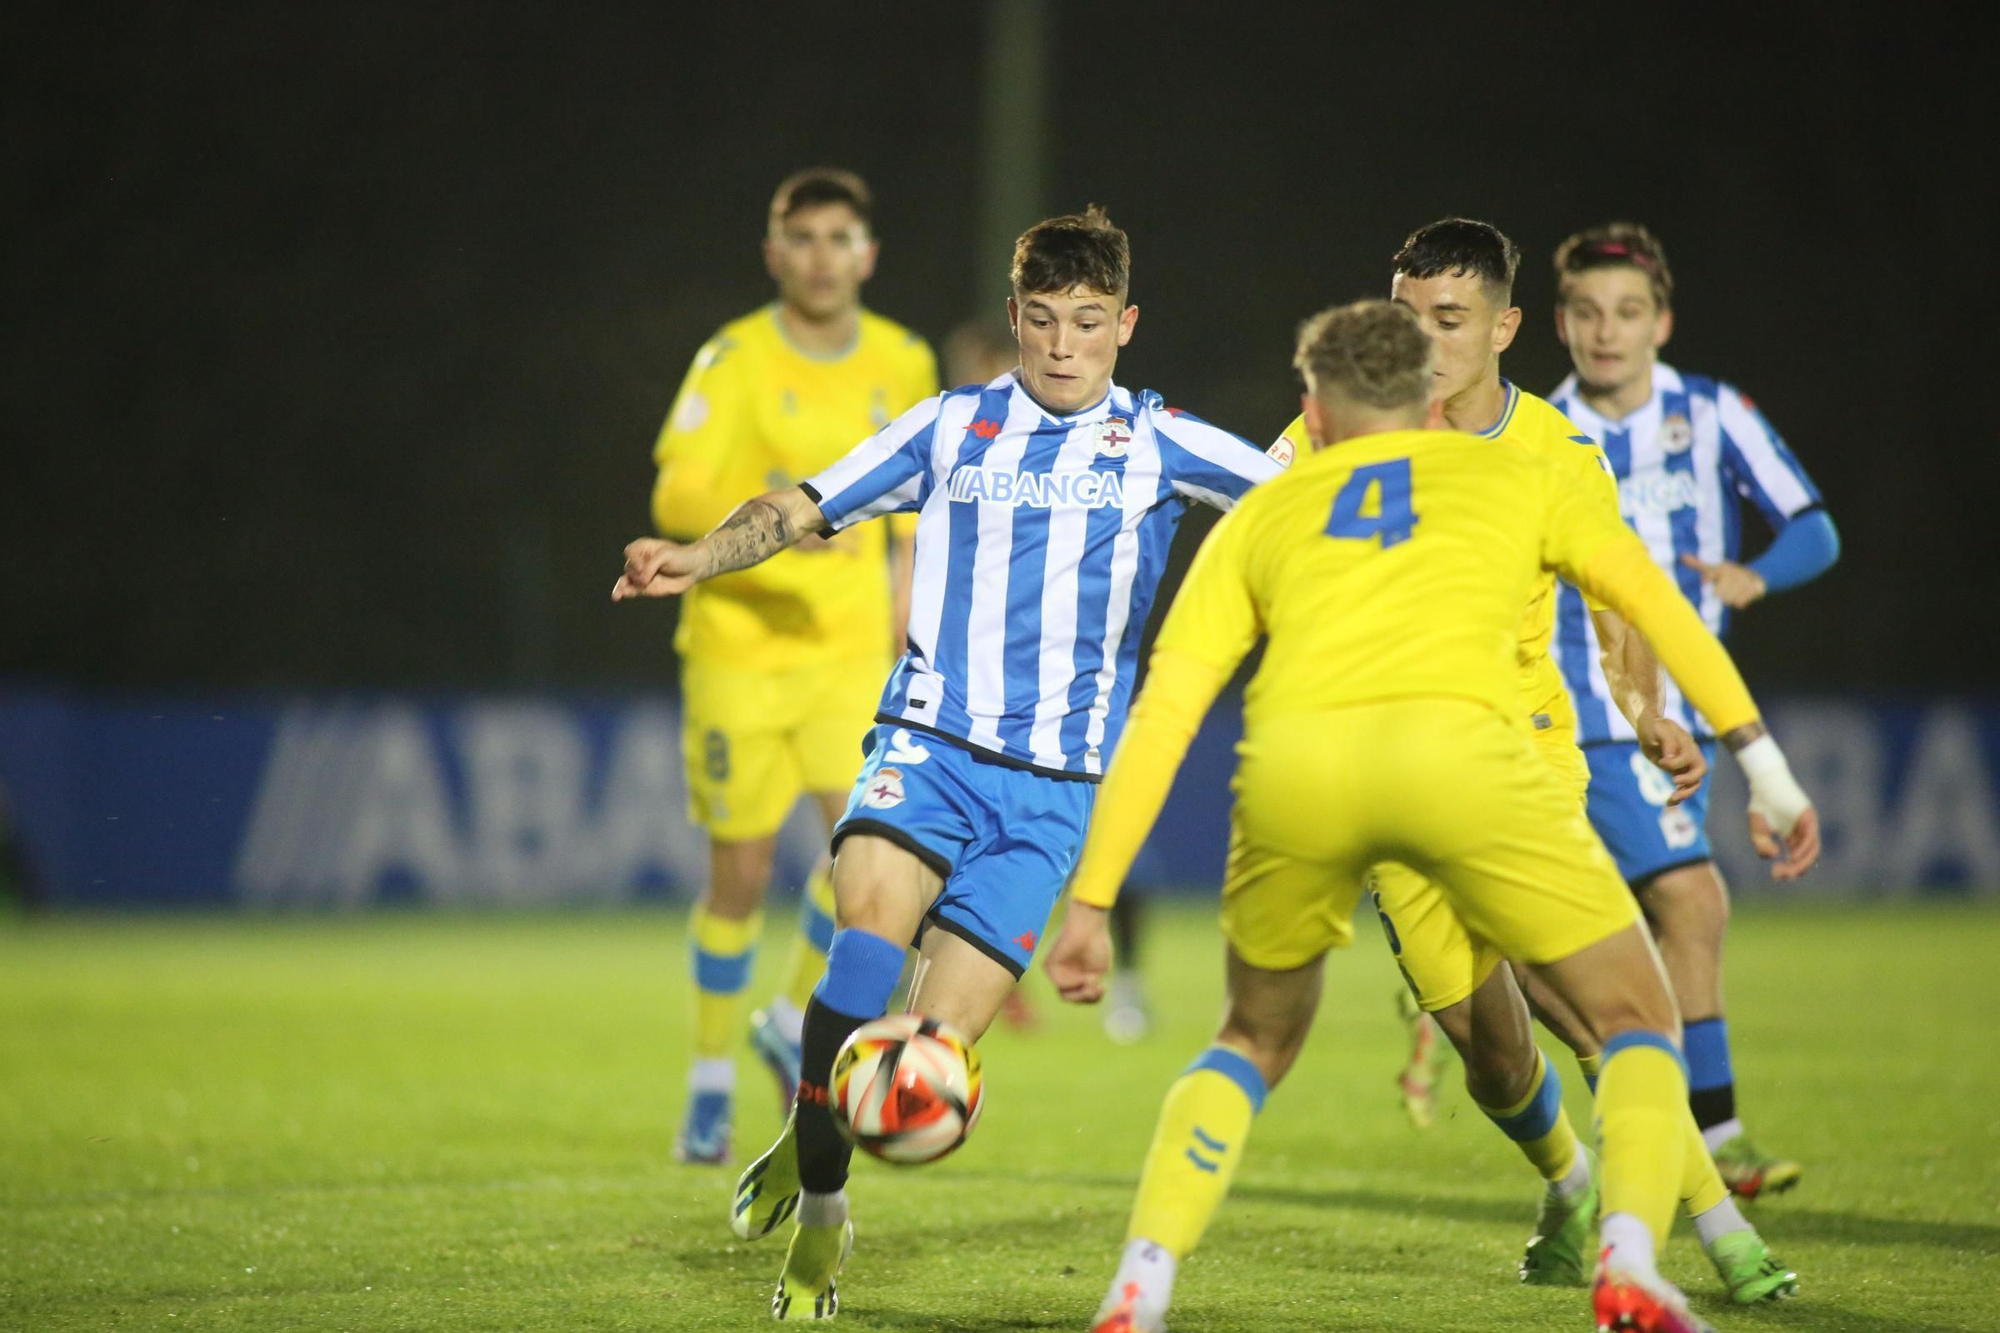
{"x": 657, "y": 568}
{"x": 1674, "y": 753}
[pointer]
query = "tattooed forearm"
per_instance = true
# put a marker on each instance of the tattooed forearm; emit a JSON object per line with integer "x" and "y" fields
{"x": 758, "y": 530}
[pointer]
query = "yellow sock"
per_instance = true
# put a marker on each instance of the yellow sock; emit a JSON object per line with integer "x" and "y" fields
{"x": 1539, "y": 1125}
{"x": 815, "y": 938}
{"x": 1641, "y": 1103}
{"x": 1701, "y": 1183}
{"x": 723, "y": 952}
{"x": 1196, "y": 1147}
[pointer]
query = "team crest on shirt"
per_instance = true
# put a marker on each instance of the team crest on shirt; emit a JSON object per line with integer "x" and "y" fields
{"x": 1678, "y": 829}
{"x": 1114, "y": 436}
{"x": 884, "y": 790}
{"x": 1676, "y": 434}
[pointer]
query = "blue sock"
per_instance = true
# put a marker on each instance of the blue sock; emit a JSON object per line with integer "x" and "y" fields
{"x": 861, "y": 974}
{"x": 1711, "y": 1082}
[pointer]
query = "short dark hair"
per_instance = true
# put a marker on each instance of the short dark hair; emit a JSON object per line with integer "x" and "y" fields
{"x": 816, "y": 186}
{"x": 1461, "y": 245}
{"x": 1372, "y": 351}
{"x": 1077, "y": 250}
{"x": 1625, "y": 243}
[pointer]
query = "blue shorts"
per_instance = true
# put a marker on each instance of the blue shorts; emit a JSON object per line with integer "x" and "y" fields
{"x": 1628, "y": 808}
{"x": 1003, "y": 839}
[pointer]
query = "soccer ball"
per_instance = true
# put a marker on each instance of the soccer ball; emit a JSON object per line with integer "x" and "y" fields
{"x": 906, "y": 1088}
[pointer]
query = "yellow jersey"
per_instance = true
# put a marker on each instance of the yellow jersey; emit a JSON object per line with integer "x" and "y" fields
{"x": 756, "y": 414}
{"x": 1537, "y": 428}
{"x": 1391, "y": 566}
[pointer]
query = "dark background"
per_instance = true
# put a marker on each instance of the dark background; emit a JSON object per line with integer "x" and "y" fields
{"x": 336, "y": 337}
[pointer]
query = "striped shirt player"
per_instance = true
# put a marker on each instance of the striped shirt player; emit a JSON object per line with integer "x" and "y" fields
{"x": 1040, "y": 544}
{"x": 1685, "y": 461}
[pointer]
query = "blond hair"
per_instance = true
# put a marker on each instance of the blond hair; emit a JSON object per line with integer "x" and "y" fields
{"x": 1373, "y": 352}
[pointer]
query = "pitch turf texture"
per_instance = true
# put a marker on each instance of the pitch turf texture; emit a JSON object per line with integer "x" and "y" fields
{"x": 401, "y": 1123}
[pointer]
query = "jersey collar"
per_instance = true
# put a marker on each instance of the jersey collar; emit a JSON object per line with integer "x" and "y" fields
{"x": 778, "y": 323}
{"x": 1666, "y": 380}
{"x": 1077, "y": 417}
{"x": 1507, "y": 407}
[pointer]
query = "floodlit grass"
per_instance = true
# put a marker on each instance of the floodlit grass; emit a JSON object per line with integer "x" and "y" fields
{"x": 414, "y": 1123}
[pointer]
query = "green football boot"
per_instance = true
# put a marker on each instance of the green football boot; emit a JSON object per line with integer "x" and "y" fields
{"x": 1562, "y": 1250}
{"x": 768, "y": 1189}
{"x": 805, "y": 1288}
{"x": 1752, "y": 1173}
{"x": 1748, "y": 1268}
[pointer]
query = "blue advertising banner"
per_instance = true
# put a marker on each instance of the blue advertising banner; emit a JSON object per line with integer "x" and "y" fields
{"x": 495, "y": 801}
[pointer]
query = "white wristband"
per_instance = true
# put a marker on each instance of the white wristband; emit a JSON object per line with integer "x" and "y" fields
{"x": 1774, "y": 792}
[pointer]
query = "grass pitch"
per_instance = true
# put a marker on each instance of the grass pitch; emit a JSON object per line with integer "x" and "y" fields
{"x": 417, "y": 1123}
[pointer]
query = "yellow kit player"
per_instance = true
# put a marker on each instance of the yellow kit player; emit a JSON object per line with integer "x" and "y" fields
{"x": 1386, "y": 572}
{"x": 781, "y": 665}
{"x": 1457, "y": 276}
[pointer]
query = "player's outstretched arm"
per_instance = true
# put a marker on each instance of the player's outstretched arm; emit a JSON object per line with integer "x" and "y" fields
{"x": 1632, "y": 673}
{"x": 754, "y": 532}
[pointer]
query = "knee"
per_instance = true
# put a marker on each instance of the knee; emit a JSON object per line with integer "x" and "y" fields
{"x": 739, "y": 874}
{"x": 1690, "y": 904}
{"x": 873, "y": 903}
{"x": 859, "y": 905}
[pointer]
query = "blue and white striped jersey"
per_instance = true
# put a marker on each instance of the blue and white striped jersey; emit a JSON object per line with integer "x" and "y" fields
{"x": 1684, "y": 462}
{"x": 1040, "y": 544}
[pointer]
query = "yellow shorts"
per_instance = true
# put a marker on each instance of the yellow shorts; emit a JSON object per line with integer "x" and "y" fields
{"x": 1442, "y": 963}
{"x": 1443, "y": 785}
{"x": 754, "y": 740}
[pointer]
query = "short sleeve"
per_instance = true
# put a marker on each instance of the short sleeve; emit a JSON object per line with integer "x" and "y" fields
{"x": 1584, "y": 466}
{"x": 1292, "y": 444}
{"x": 1577, "y": 521}
{"x": 923, "y": 384}
{"x": 1207, "y": 463}
{"x": 1758, "y": 463}
{"x": 884, "y": 474}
